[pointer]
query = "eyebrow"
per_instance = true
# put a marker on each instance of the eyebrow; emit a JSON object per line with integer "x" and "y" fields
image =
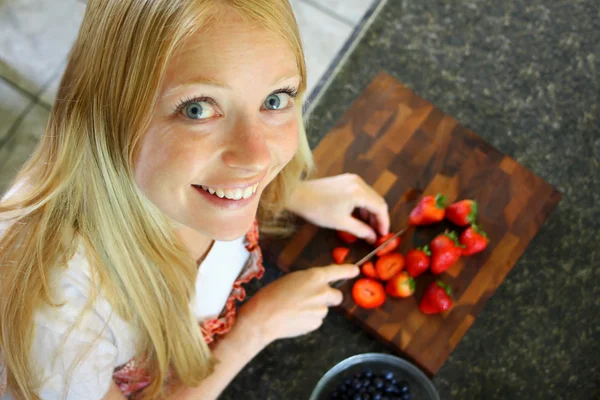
{"x": 203, "y": 80}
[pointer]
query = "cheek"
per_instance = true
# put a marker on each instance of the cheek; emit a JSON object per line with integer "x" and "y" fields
{"x": 287, "y": 142}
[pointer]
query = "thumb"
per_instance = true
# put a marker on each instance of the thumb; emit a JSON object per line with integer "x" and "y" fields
{"x": 360, "y": 229}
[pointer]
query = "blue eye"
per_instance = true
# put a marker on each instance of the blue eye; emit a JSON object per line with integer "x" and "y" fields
{"x": 199, "y": 110}
{"x": 277, "y": 101}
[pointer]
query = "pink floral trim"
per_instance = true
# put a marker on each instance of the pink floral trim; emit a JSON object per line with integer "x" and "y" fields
{"x": 132, "y": 377}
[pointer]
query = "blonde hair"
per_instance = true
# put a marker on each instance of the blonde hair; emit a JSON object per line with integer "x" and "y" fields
{"x": 81, "y": 187}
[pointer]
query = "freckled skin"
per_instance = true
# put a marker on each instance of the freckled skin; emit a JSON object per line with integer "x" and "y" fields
{"x": 241, "y": 141}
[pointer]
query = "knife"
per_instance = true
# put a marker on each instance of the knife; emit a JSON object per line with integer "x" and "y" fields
{"x": 370, "y": 255}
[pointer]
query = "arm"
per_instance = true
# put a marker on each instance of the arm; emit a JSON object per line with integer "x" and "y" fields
{"x": 241, "y": 344}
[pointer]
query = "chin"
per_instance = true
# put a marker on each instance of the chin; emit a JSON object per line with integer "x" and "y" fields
{"x": 225, "y": 229}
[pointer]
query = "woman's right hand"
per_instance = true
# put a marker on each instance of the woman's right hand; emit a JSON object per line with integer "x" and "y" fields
{"x": 297, "y": 303}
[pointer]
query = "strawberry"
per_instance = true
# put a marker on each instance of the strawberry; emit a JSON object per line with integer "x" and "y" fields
{"x": 431, "y": 209}
{"x": 391, "y": 246}
{"x": 368, "y": 270}
{"x": 437, "y": 298}
{"x": 400, "y": 285}
{"x": 340, "y": 254}
{"x": 368, "y": 293}
{"x": 462, "y": 213}
{"x": 446, "y": 250}
{"x": 417, "y": 261}
{"x": 389, "y": 265}
{"x": 474, "y": 240}
{"x": 347, "y": 237}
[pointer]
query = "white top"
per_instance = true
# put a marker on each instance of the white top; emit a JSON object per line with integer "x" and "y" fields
{"x": 106, "y": 340}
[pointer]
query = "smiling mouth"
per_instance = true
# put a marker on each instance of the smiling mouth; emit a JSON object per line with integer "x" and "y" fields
{"x": 232, "y": 194}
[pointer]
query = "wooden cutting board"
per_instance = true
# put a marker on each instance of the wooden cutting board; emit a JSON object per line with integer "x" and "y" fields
{"x": 406, "y": 148}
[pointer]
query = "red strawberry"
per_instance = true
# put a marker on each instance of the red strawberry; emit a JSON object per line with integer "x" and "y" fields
{"x": 474, "y": 239}
{"x": 368, "y": 270}
{"x": 368, "y": 293}
{"x": 389, "y": 265}
{"x": 340, "y": 254}
{"x": 417, "y": 261}
{"x": 347, "y": 237}
{"x": 401, "y": 285}
{"x": 445, "y": 251}
{"x": 437, "y": 298}
{"x": 462, "y": 213}
{"x": 391, "y": 246}
{"x": 430, "y": 209}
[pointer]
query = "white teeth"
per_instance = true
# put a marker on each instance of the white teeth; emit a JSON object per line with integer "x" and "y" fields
{"x": 233, "y": 194}
{"x": 248, "y": 192}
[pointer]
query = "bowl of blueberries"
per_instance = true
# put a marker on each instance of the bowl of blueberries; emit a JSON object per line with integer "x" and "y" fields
{"x": 374, "y": 376}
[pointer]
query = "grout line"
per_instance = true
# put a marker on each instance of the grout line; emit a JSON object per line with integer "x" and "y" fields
{"x": 18, "y": 88}
{"x": 329, "y": 12}
{"x": 340, "y": 59}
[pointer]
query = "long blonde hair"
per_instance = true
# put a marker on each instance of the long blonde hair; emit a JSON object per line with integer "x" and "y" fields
{"x": 81, "y": 187}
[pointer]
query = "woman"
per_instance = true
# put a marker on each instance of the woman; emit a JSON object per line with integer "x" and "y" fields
{"x": 126, "y": 237}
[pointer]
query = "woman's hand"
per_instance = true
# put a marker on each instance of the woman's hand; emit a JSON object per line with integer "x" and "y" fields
{"x": 295, "y": 304}
{"x": 329, "y": 202}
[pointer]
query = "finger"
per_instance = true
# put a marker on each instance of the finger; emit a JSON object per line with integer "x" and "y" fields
{"x": 360, "y": 229}
{"x": 335, "y": 272}
{"x": 329, "y": 296}
{"x": 376, "y": 205}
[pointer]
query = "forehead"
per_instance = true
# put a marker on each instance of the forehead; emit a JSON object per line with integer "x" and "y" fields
{"x": 233, "y": 50}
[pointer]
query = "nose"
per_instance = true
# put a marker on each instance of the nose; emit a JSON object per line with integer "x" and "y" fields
{"x": 247, "y": 147}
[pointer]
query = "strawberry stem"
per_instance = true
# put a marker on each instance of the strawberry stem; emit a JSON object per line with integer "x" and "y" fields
{"x": 478, "y": 229}
{"x": 444, "y": 286}
{"x": 472, "y": 218}
{"x": 440, "y": 201}
{"x": 425, "y": 249}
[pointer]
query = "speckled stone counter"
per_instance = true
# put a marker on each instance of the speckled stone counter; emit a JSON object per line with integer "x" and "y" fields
{"x": 524, "y": 75}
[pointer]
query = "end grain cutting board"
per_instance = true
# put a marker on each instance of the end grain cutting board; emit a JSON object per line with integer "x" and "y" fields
{"x": 406, "y": 148}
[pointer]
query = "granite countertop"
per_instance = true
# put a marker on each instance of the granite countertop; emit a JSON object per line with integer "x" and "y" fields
{"x": 525, "y": 76}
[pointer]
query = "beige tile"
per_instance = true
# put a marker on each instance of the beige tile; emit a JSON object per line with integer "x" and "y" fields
{"x": 35, "y": 38}
{"x": 350, "y": 10}
{"x": 21, "y": 143}
{"x": 12, "y": 104}
{"x": 322, "y": 35}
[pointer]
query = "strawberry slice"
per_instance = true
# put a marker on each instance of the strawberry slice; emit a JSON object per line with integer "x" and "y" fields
{"x": 368, "y": 293}
{"x": 347, "y": 237}
{"x": 340, "y": 254}
{"x": 474, "y": 239}
{"x": 400, "y": 285}
{"x": 368, "y": 270}
{"x": 391, "y": 246}
{"x": 389, "y": 265}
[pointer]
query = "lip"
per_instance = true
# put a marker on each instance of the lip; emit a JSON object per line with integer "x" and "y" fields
{"x": 234, "y": 185}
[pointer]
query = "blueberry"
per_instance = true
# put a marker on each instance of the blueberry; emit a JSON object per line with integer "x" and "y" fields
{"x": 368, "y": 373}
{"x": 371, "y": 389}
{"x": 376, "y": 395}
{"x": 385, "y": 398}
{"x": 342, "y": 388}
{"x": 393, "y": 381}
{"x": 366, "y": 382}
{"x": 366, "y": 396}
{"x": 389, "y": 388}
{"x": 406, "y": 396}
{"x": 389, "y": 375}
{"x": 358, "y": 375}
{"x": 403, "y": 388}
{"x": 348, "y": 382}
{"x": 357, "y": 396}
{"x": 356, "y": 384}
{"x": 378, "y": 382}
{"x": 334, "y": 395}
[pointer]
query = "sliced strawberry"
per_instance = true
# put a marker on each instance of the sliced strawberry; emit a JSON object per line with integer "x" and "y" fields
{"x": 391, "y": 246}
{"x": 418, "y": 261}
{"x": 368, "y": 293}
{"x": 474, "y": 240}
{"x": 340, "y": 254}
{"x": 347, "y": 237}
{"x": 462, "y": 213}
{"x": 400, "y": 285}
{"x": 368, "y": 270}
{"x": 431, "y": 209}
{"x": 389, "y": 265}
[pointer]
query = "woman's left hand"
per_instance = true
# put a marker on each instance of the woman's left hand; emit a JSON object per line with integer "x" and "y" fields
{"x": 330, "y": 202}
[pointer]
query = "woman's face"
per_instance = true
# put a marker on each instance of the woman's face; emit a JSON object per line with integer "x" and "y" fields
{"x": 226, "y": 123}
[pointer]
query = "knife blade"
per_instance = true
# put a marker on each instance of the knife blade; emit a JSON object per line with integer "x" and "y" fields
{"x": 370, "y": 255}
